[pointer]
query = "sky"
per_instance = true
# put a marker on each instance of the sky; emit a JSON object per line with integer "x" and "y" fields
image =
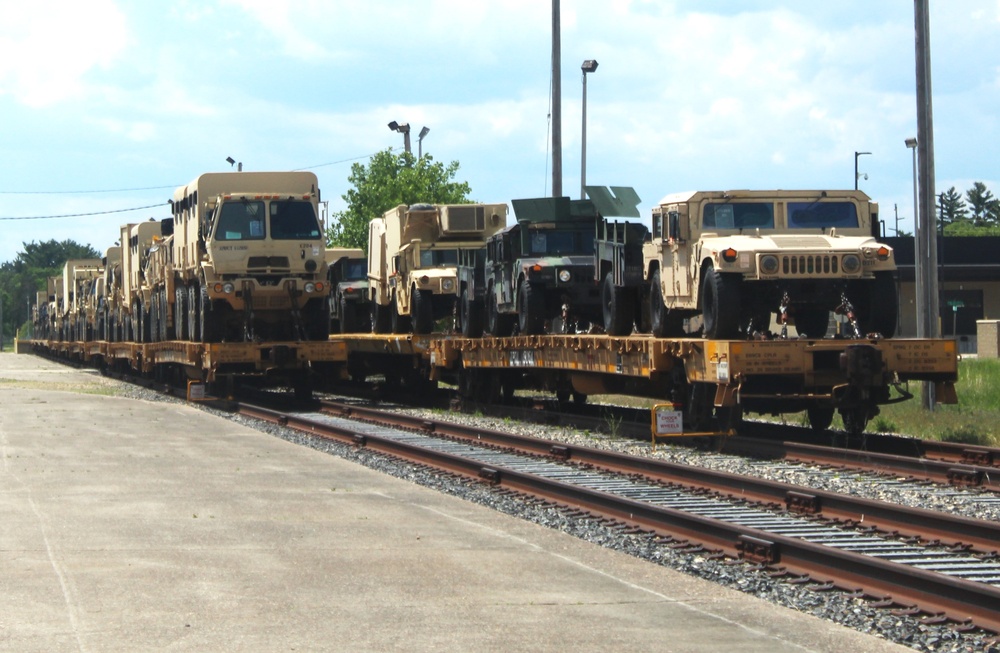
{"x": 107, "y": 106}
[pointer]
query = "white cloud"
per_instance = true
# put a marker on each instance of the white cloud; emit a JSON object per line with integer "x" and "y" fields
{"x": 47, "y": 47}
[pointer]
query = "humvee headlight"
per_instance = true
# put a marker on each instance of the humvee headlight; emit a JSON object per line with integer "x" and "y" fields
{"x": 448, "y": 284}
{"x": 228, "y": 288}
{"x": 851, "y": 263}
{"x": 882, "y": 253}
{"x": 729, "y": 255}
{"x": 310, "y": 287}
{"x": 564, "y": 276}
{"x": 319, "y": 286}
{"x": 769, "y": 264}
{"x": 424, "y": 280}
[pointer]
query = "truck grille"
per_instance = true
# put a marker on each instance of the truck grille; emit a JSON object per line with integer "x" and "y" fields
{"x": 810, "y": 264}
{"x": 268, "y": 262}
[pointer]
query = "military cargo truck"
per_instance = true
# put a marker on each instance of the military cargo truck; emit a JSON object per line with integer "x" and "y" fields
{"x": 77, "y": 278}
{"x": 136, "y": 293}
{"x": 347, "y": 274}
{"x": 739, "y": 258}
{"x": 541, "y": 270}
{"x": 413, "y": 259}
{"x": 248, "y": 259}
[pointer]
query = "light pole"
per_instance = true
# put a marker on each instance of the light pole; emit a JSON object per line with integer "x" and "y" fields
{"x": 856, "y": 155}
{"x": 403, "y": 129}
{"x": 917, "y": 248}
{"x": 420, "y": 141}
{"x": 589, "y": 66}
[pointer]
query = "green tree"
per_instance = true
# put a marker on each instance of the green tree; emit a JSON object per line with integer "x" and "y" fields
{"x": 983, "y": 204}
{"x": 22, "y": 278}
{"x": 387, "y": 181}
{"x": 951, "y": 208}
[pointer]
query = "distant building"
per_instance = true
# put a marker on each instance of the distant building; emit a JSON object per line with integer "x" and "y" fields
{"x": 968, "y": 282}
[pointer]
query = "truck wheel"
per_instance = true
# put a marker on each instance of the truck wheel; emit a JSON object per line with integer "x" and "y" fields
{"x": 663, "y": 322}
{"x": 207, "y": 327}
{"x": 470, "y": 312}
{"x": 421, "y": 311}
{"x": 616, "y": 308}
{"x": 192, "y": 312}
{"x": 812, "y": 321}
{"x": 400, "y": 323}
{"x": 497, "y": 324}
{"x": 348, "y": 315}
{"x": 531, "y": 316}
{"x": 878, "y": 306}
{"x": 820, "y": 417}
{"x": 720, "y": 305}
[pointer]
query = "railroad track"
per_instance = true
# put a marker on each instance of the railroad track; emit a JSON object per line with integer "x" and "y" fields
{"x": 942, "y": 566}
{"x": 945, "y": 463}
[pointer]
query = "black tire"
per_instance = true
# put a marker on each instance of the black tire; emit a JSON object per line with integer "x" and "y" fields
{"x": 497, "y": 324}
{"x": 208, "y": 330}
{"x": 812, "y": 321}
{"x": 878, "y": 307}
{"x": 820, "y": 417}
{"x": 421, "y": 311}
{"x": 663, "y": 322}
{"x": 531, "y": 309}
{"x": 400, "y": 323}
{"x": 720, "y": 305}
{"x": 380, "y": 317}
{"x": 470, "y": 315}
{"x": 348, "y": 315}
{"x": 192, "y": 312}
{"x": 154, "y": 317}
{"x": 317, "y": 316}
{"x": 616, "y": 307}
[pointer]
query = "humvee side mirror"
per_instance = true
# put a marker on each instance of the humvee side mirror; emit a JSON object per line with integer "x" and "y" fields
{"x": 674, "y": 225}
{"x": 525, "y": 242}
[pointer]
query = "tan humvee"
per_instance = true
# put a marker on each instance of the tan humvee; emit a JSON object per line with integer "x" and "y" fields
{"x": 739, "y": 258}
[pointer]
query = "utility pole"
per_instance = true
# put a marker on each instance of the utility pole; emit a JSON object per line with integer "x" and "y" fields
{"x": 926, "y": 261}
{"x": 556, "y": 104}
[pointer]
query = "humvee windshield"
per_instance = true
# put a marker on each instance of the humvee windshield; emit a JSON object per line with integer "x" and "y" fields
{"x": 739, "y": 215}
{"x": 432, "y": 257}
{"x": 561, "y": 243}
{"x": 355, "y": 271}
{"x": 814, "y": 215}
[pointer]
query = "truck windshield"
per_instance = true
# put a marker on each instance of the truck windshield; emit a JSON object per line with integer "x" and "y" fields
{"x": 240, "y": 220}
{"x": 293, "y": 220}
{"x": 739, "y": 215}
{"x": 431, "y": 257}
{"x": 818, "y": 215}
{"x": 562, "y": 243}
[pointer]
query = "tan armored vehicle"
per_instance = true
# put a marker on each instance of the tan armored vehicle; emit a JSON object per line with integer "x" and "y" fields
{"x": 347, "y": 273}
{"x": 77, "y": 278}
{"x": 109, "y": 294}
{"x": 136, "y": 292}
{"x": 740, "y": 257}
{"x": 413, "y": 255}
{"x": 248, "y": 259}
{"x": 53, "y": 309}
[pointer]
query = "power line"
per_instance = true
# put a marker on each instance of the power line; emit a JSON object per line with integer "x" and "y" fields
{"x": 79, "y": 215}
{"x": 81, "y": 192}
{"x": 356, "y": 158}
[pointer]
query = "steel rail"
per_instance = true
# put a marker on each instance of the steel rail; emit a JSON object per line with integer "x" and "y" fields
{"x": 928, "y": 525}
{"x": 953, "y": 598}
